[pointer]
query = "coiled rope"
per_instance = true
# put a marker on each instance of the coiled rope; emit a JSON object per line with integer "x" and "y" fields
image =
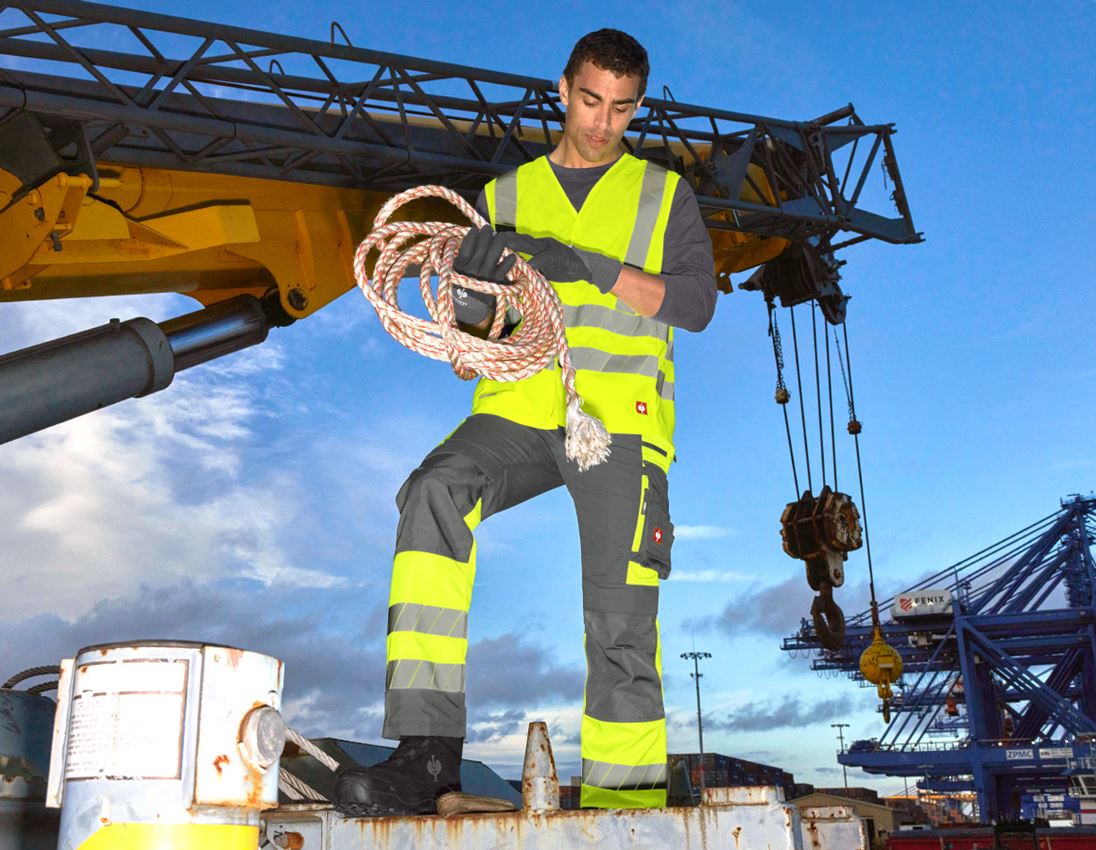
{"x": 534, "y": 345}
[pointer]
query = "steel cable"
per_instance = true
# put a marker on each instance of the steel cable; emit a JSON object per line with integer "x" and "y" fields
{"x": 534, "y": 345}
{"x": 307, "y": 746}
{"x": 30, "y": 673}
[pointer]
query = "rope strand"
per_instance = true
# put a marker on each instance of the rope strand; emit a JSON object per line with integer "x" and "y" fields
{"x": 860, "y": 478}
{"x": 536, "y": 344}
{"x": 778, "y": 356}
{"x": 802, "y": 403}
{"x": 818, "y": 391}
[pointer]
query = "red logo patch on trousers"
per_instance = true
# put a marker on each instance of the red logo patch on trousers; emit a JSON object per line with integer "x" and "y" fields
{"x": 641, "y": 408}
{"x": 657, "y": 535}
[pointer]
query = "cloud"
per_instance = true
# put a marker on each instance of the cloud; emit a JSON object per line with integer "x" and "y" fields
{"x": 184, "y": 483}
{"x": 711, "y": 575}
{"x": 334, "y": 674}
{"x": 701, "y": 532}
{"x": 493, "y": 726}
{"x": 791, "y": 712}
{"x": 147, "y": 491}
{"x": 333, "y": 649}
{"x": 508, "y": 671}
{"x": 774, "y": 611}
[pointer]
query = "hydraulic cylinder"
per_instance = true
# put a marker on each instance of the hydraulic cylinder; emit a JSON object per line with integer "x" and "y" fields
{"x": 68, "y": 377}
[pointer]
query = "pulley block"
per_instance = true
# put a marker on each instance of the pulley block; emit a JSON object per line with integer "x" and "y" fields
{"x": 820, "y": 530}
{"x": 814, "y": 525}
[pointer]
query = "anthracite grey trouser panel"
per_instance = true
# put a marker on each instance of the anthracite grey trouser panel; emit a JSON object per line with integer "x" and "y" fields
{"x": 504, "y": 464}
{"x": 423, "y": 712}
{"x": 622, "y": 682}
{"x": 487, "y": 458}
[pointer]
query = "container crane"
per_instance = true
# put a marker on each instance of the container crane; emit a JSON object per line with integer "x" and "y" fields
{"x": 999, "y": 693}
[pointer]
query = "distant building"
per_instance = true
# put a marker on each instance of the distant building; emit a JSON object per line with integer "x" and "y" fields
{"x": 864, "y": 795}
{"x": 909, "y": 806}
{"x": 800, "y": 789}
{"x": 879, "y": 819}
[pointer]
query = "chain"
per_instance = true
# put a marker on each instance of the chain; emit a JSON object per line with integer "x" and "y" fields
{"x": 778, "y": 350}
{"x": 844, "y": 379}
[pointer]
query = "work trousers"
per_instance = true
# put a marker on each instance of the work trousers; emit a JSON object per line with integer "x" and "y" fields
{"x": 487, "y": 465}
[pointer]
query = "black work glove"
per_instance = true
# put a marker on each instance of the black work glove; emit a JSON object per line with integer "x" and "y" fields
{"x": 478, "y": 257}
{"x": 564, "y": 263}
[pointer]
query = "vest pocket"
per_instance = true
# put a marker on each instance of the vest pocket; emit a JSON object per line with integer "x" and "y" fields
{"x": 658, "y": 529}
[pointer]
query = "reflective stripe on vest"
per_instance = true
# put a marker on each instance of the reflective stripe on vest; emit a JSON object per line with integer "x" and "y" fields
{"x": 506, "y": 200}
{"x": 597, "y": 360}
{"x": 650, "y": 202}
{"x": 617, "y": 321}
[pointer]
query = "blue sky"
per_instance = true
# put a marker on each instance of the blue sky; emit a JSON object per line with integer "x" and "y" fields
{"x": 251, "y": 503}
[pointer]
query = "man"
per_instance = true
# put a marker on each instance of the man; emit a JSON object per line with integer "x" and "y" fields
{"x": 625, "y": 247}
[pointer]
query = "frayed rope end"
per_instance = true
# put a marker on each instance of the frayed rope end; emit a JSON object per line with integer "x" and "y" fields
{"x": 587, "y": 442}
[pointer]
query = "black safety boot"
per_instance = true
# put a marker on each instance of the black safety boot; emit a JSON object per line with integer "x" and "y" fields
{"x": 408, "y": 783}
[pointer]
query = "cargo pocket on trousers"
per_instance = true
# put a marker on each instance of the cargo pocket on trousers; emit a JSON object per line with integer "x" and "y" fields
{"x": 658, "y": 529}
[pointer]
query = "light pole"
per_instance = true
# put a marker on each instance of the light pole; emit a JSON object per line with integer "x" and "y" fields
{"x": 696, "y": 658}
{"x": 841, "y": 727}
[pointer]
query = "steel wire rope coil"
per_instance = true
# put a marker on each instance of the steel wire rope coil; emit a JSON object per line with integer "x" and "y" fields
{"x": 534, "y": 345}
{"x": 31, "y": 673}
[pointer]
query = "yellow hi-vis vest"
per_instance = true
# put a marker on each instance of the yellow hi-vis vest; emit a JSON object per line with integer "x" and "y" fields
{"x": 624, "y": 361}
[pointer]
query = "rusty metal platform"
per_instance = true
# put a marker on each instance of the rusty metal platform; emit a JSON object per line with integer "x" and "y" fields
{"x": 730, "y": 819}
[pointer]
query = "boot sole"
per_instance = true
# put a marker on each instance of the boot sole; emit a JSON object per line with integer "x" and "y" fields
{"x": 377, "y": 809}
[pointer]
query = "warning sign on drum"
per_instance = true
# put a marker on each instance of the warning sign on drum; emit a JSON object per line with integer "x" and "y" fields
{"x": 127, "y": 720}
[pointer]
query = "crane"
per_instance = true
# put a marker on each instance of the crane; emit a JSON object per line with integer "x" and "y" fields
{"x": 142, "y": 152}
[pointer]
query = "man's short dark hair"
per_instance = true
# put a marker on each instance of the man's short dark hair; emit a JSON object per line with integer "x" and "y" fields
{"x": 610, "y": 50}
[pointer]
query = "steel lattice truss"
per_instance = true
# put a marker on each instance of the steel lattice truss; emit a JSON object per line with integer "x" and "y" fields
{"x": 149, "y": 89}
{"x": 1009, "y": 674}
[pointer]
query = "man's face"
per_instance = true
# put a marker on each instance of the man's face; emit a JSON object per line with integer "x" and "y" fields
{"x": 599, "y": 107}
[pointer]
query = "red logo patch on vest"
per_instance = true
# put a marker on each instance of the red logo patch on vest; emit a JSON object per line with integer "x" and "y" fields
{"x": 657, "y": 535}
{"x": 641, "y": 408}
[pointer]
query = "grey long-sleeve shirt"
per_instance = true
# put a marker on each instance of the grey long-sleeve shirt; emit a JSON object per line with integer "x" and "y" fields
{"x": 688, "y": 268}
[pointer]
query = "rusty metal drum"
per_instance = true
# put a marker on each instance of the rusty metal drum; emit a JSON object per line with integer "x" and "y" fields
{"x": 165, "y": 745}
